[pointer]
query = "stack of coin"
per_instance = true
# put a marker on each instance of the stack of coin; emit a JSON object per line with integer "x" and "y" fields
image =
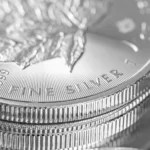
{"x": 67, "y": 87}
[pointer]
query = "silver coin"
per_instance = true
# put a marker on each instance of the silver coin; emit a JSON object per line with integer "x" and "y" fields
{"x": 107, "y": 71}
{"x": 77, "y": 135}
{"x": 41, "y": 30}
{"x": 108, "y": 74}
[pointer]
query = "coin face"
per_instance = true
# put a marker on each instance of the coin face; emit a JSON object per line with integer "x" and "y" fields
{"x": 116, "y": 56}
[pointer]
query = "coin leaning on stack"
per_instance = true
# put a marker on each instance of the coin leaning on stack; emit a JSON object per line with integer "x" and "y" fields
{"x": 58, "y": 92}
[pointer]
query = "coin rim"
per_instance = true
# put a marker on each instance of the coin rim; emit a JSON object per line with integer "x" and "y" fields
{"x": 69, "y": 113}
{"x": 17, "y": 136}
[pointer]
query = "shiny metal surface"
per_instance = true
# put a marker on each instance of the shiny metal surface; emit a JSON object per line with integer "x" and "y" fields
{"x": 98, "y": 52}
{"x": 67, "y": 84}
{"x": 141, "y": 137}
{"x": 108, "y": 75}
{"x": 77, "y": 135}
{"x": 35, "y": 31}
{"x": 137, "y": 136}
{"x": 115, "y": 148}
{"x": 39, "y": 115}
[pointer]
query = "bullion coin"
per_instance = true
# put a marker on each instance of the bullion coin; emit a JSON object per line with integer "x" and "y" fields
{"x": 63, "y": 73}
{"x": 136, "y": 136}
{"x": 77, "y": 135}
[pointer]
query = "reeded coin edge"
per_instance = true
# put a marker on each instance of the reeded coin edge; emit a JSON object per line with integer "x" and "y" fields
{"x": 80, "y": 111}
{"x": 15, "y": 137}
{"x": 125, "y": 137}
{"x": 78, "y": 125}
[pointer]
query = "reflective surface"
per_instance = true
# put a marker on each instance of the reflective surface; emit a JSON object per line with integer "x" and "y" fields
{"x": 35, "y": 31}
{"x": 78, "y": 135}
{"x": 135, "y": 137}
{"x": 66, "y": 84}
{"x": 114, "y": 148}
{"x": 110, "y": 63}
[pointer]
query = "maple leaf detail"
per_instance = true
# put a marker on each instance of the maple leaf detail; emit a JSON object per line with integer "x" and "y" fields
{"x": 33, "y": 31}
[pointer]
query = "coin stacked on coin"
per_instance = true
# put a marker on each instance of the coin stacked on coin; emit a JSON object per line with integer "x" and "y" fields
{"x": 63, "y": 86}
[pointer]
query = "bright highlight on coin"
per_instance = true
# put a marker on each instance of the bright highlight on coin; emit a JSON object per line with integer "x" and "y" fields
{"x": 134, "y": 47}
{"x": 126, "y": 25}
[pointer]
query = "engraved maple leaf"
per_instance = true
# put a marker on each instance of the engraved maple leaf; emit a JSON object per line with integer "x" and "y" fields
{"x": 33, "y": 31}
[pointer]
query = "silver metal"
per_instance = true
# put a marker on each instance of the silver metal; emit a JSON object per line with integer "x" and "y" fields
{"x": 77, "y": 135}
{"x": 114, "y": 148}
{"x": 137, "y": 136}
{"x": 65, "y": 84}
{"x": 108, "y": 75}
{"x": 40, "y": 115}
{"x": 37, "y": 31}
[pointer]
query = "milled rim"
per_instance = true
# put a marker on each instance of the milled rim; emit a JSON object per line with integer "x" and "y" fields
{"x": 17, "y": 136}
{"x": 70, "y": 113}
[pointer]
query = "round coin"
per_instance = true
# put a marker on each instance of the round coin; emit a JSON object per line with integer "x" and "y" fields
{"x": 108, "y": 74}
{"x": 77, "y": 135}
